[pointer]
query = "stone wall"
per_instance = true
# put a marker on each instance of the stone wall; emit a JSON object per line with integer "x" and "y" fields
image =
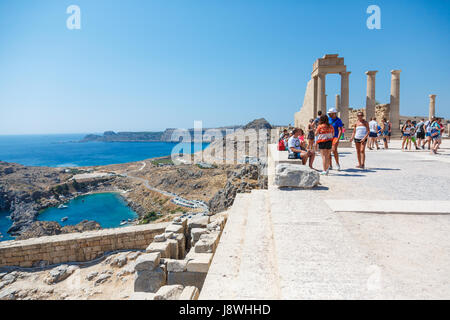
{"x": 381, "y": 111}
{"x": 78, "y": 247}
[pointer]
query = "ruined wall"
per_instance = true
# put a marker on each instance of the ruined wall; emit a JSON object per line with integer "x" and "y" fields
{"x": 80, "y": 247}
{"x": 381, "y": 111}
{"x": 301, "y": 118}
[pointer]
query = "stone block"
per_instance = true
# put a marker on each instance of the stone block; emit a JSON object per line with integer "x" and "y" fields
{"x": 174, "y": 265}
{"x": 147, "y": 261}
{"x": 173, "y": 248}
{"x": 161, "y": 247}
{"x": 199, "y": 262}
{"x": 160, "y": 238}
{"x": 189, "y": 293}
{"x": 149, "y": 281}
{"x": 181, "y": 245}
{"x": 195, "y": 279}
{"x": 196, "y": 233}
{"x": 295, "y": 175}
{"x": 175, "y": 228}
{"x": 169, "y": 292}
{"x": 206, "y": 244}
{"x": 198, "y": 222}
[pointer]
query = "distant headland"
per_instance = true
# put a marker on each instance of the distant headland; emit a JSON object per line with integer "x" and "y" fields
{"x": 166, "y": 135}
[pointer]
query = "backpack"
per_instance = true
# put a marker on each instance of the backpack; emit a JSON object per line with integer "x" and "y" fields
{"x": 281, "y": 146}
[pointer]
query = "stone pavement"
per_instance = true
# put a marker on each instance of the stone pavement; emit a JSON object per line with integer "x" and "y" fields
{"x": 289, "y": 244}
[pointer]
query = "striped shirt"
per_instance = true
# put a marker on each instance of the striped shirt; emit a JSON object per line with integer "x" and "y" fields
{"x": 324, "y": 133}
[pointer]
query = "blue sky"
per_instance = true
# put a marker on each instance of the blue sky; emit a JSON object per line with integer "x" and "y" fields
{"x": 148, "y": 65}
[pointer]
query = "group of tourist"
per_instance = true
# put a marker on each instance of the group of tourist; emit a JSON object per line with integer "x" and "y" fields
{"x": 325, "y": 132}
{"x": 423, "y": 133}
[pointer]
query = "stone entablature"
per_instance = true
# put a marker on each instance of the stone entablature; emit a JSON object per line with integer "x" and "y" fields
{"x": 78, "y": 247}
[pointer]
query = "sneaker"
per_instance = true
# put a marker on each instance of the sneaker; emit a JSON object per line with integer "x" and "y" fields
{"x": 338, "y": 168}
{"x": 330, "y": 168}
{"x": 324, "y": 173}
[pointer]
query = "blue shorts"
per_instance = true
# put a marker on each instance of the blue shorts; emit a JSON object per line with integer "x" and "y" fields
{"x": 373, "y": 135}
{"x": 406, "y": 135}
{"x": 427, "y": 134}
{"x": 294, "y": 155}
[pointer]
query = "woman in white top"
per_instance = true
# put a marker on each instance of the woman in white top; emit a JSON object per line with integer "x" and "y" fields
{"x": 360, "y": 135}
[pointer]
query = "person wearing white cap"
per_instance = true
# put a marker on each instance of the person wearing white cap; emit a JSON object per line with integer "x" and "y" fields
{"x": 337, "y": 125}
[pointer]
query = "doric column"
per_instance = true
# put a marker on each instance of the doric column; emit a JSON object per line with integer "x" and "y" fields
{"x": 338, "y": 102}
{"x": 321, "y": 98}
{"x": 370, "y": 96}
{"x": 395, "y": 100}
{"x": 432, "y": 111}
{"x": 344, "y": 98}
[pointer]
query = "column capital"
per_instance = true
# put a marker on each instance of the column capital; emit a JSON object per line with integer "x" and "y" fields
{"x": 345, "y": 73}
{"x": 395, "y": 73}
{"x": 372, "y": 72}
{"x": 432, "y": 96}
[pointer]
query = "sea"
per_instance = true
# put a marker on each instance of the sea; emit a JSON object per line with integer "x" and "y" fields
{"x": 65, "y": 150}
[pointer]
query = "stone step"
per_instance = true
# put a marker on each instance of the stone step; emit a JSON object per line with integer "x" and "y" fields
{"x": 258, "y": 277}
{"x": 224, "y": 268}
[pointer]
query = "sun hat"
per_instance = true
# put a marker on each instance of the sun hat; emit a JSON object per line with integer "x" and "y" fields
{"x": 332, "y": 110}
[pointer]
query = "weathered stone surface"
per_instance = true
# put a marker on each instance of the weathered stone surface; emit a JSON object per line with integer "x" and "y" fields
{"x": 161, "y": 247}
{"x": 60, "y": 273}
{"x": 198, "y": 222}
{"x": 175, "y": 228}
{"x": 206, "y": 244}
{"x": 170, "y": 292}
{"x": 149, "y": 281}
{"x": 8, "y": 294}
{"x": 120, "y": 260}
{"x": 181, "y": 239}
{"x": 199, "y": 262}
{"x": 173, "y": 248}
{"x": 102, "y": 278}
{"x": 91, "y": 276}
{"x": 189, "y": 293}
{"x": 176, "y": 265}
{"x": 196, "y": 233}
{"x": 148, "y": 261}
{"x": 295, "y": 175}
{"x": 160, "y": 238}
{"x": 187, "y": 278}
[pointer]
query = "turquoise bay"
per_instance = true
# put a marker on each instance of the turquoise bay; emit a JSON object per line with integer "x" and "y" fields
{"x": 108, "y": 209}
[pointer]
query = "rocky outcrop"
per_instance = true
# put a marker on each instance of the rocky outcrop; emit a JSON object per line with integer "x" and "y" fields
{"x": 51, "y": 228}
{"x": 239, "y": 181}
{"x": 258, "y": 124}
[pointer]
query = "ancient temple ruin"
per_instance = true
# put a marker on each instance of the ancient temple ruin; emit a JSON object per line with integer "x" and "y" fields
{"x": 315, "y": 96}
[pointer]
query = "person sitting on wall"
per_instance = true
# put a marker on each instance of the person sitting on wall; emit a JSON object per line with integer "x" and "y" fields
{"x": 297, "y": 151}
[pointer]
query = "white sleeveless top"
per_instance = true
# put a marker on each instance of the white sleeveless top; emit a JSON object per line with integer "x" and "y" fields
{"x": 360, "y": 132}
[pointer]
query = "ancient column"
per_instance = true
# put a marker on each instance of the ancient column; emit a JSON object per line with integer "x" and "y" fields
{"x": 343, "y": 107}
{"x": 432, "y": 111}
{"x": 338, "y": 102}
{"x": 370, "y": 96}
{"x": 321, "y": 98}
{"x": 394, "y": 116}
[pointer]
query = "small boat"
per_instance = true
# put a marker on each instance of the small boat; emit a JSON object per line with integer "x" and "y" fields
{"x": 62, "y": 206}
{"x": 129, "y": 220}
{"x": 64, "y": 219}
{"x": 123, "y": 222}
